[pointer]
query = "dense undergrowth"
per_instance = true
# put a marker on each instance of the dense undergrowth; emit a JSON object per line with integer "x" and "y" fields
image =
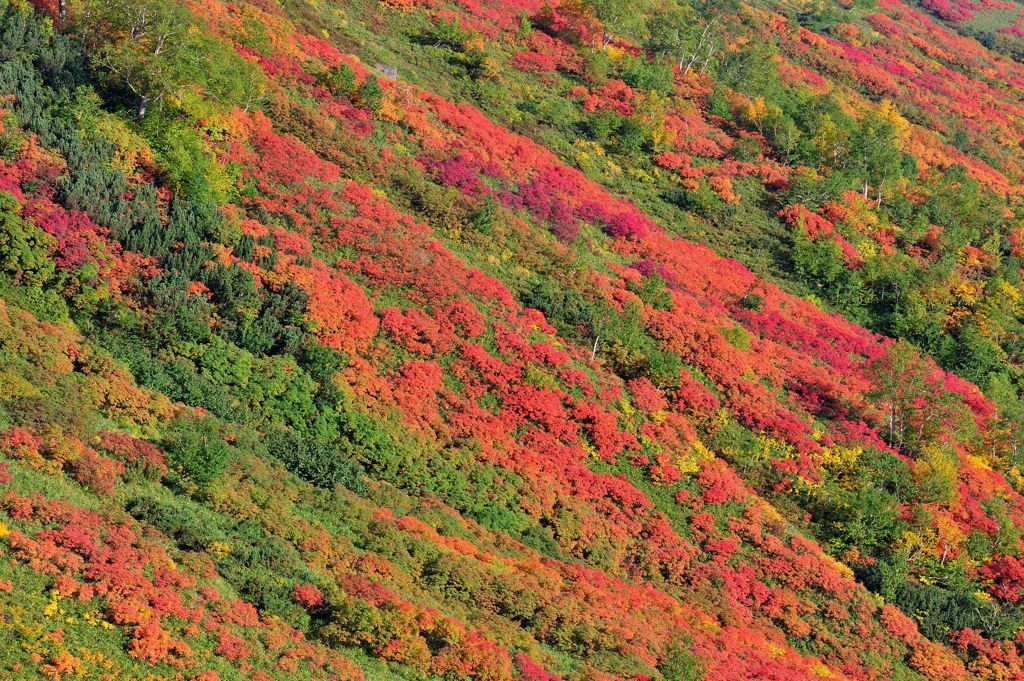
{"x": 606, "y": 341}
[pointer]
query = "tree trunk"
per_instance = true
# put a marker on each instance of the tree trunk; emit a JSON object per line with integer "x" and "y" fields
{"x": 689, "y": 65}
{"x": 707, "y": 58}
{"x": 140, "y": 113}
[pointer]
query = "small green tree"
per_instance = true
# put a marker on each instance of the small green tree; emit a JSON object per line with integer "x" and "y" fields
{"x": 909, "y": 390}
{"x": 875, "y": 149}
{"x": 145, "y": 46}
{"x": 195, "y": 449}
{"x": 155, "y": 50}
{"x": 690, "y": 33}
{"x": 617, "y": 17}
{"x": 1007, "y": 435}
{"x": 820, "y": 265}
{"x": 24, "y": 248}
{"x": 672, "y": 31}
{"x": 680, "y": 664}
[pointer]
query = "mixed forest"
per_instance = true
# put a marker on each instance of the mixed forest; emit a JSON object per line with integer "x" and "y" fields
{"x": 480, "y": 340}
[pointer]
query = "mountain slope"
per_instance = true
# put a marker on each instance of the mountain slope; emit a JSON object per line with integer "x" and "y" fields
{"x": 315, "y": 372}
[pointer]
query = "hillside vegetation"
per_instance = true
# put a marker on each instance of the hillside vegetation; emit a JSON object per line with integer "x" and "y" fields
{"x": 587, "y": 340}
